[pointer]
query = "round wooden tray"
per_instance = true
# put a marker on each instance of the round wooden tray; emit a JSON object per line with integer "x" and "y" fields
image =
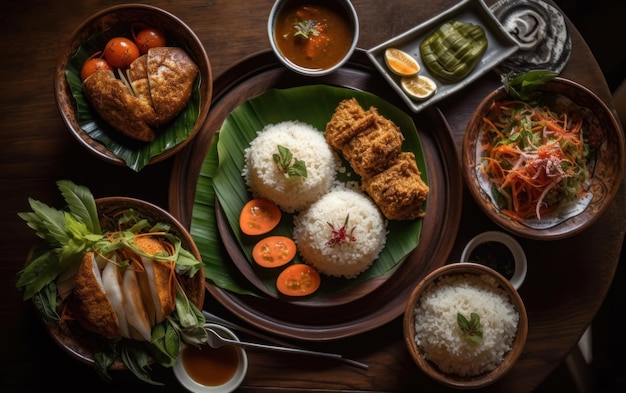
{"x": 256, "y": 75}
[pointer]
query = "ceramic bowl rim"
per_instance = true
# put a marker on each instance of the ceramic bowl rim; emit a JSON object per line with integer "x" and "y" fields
{"x": 354, "y": 19}
{"x": 521, "y": 263}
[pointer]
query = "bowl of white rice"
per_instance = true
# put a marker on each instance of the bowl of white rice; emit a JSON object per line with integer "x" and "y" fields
{"x": 341, "y": 234}
{"x": 465, "y": 325}
{"x": 300, "y": 142}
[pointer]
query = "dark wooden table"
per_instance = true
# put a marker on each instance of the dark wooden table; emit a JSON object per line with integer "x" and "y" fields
{"x": 567, "y": 279}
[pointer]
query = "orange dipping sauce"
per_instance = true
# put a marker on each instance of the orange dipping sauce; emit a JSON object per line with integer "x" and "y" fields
{"x": 313, "y": 34}
{"x": 210, "y": 366}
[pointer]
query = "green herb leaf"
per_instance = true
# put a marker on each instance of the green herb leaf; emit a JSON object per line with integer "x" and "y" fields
{"x": 305, "y": 28}
{"x": 472, "y": 329}
{"x": 81, "y": 204}
{"x": 522, "y": 86}
{"x": 289, "y": 166}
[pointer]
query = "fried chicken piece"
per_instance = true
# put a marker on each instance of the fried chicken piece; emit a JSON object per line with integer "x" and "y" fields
{"x": 348, "y": 120}
{"x": 96, "y": 313}
{"x": 399, "y": 190}
{"x": 372, "y": 150}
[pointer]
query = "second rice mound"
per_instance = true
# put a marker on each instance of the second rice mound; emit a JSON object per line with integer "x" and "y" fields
{"x": 341, "y": 234}
{"x": 305, "y": 143}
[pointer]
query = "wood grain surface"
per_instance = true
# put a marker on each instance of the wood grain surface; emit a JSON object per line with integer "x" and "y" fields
{"x": 567, "y": 279}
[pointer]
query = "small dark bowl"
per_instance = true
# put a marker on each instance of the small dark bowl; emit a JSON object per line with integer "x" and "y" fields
{"x": 174, "y": 28}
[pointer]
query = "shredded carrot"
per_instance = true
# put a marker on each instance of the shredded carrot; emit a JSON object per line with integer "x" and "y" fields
{"x": 528, "y": 152}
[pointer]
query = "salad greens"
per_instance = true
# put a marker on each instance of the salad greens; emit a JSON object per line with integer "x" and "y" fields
{"x": 68, "y": 235}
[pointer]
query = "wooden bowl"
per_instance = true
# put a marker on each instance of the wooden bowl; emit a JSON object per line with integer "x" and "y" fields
{"x": 429, "y": 367}
{"x": 177, "y": 34}
{"x": 80, "y": 343}
{"x": 606, "y": 162}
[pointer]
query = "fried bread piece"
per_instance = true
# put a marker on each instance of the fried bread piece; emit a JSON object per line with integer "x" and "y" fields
{"x": 115, "y": 103}
{"x": 158, "y": 87}
{"x": 171, "y": 75}
{"x": 399, "y": 190}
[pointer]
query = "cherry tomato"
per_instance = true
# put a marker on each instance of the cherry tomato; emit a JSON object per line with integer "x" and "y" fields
{"x": 93, "y": 64}
{"x": 120, "y": 52}
{"x": 258, "y": 217}
{"x": 147, "y": 38}
{"x": 274, "y": 251}
{"x": 298, "y": 280}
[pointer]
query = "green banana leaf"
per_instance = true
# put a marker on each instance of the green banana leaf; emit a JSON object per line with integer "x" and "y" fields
{"x": 135, "y": 155}
{"x": 221, "y": 177}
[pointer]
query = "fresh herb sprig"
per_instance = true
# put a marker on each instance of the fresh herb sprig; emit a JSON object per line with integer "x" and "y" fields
{"x": 287, "y": 164}
{"x": 522, "y": 86}
{"x": 472, "y": 329}
{"x": 306, "y": 29}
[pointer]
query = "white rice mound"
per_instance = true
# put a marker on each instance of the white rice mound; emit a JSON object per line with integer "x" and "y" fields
{"x": 312, "y": 233}
{"x": 437, "y": 332}
{"x": 306, "y": 143}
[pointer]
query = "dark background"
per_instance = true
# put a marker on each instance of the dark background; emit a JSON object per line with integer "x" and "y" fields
{"x": 602, "y": 25}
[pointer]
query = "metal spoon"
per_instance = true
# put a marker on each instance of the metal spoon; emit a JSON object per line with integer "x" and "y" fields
{"x": 216, "y": 341}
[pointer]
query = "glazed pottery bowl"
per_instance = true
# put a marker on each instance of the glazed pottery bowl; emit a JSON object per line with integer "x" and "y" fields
{"x": 555, "y": 208}
{"x": 90, "y": 130}
{"x": 442, "y": 349}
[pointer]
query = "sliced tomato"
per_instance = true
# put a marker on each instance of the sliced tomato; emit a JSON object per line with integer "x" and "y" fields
{"x": 258, "y": 217}
{"x": 274, "y": 251}
{"x": 298, "y": 280}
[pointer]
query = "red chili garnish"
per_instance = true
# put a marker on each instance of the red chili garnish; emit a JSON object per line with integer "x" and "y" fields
{"x": 341, "y": 235}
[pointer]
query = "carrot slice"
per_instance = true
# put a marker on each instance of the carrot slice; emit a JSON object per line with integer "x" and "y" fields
{"x": 259, "y": 216}
{"x": 298, "y": 280}
{"x": 274, "y": 251}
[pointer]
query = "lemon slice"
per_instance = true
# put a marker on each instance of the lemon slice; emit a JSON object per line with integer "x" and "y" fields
{"x": 401, "y": 63}
{"x": 419, "y": 87}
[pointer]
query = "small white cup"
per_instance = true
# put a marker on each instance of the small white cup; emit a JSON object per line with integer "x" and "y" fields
{"x": 190, "y": 384}
{"x": 519, "y": 256}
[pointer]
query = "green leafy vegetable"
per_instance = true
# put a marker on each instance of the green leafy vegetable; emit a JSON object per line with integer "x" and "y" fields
{"x": 472, "y": 329}
{"x": 522, "y": 86}
{"x": 287, "y": 164}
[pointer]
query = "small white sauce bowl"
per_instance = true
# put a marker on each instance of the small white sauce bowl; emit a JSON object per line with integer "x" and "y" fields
{"x": 190, "y": 384}
{"x": 519, "y": 256}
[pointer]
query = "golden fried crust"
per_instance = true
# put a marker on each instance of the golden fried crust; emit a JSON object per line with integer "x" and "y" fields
{"x": 119, "y": 107}
{"x": 96, "y": 313}
{"x": 348, "y": 120}
{"x": 399, "y": 190}
{"x": 371, "y": 151}
{"x": 171, "y": 75}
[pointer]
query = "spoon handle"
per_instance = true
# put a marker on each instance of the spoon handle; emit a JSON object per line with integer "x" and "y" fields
{"x": 282, "y": 349}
